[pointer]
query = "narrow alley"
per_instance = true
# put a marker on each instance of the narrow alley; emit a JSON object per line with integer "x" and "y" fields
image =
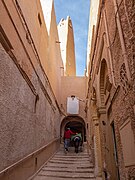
{"x": 41, "y": 95}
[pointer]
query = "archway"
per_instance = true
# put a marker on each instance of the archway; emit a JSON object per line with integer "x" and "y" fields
{"x": 76, "y": 124}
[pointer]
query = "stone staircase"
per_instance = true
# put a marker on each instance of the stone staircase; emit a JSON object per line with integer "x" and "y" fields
{"x": 67, "y": 166}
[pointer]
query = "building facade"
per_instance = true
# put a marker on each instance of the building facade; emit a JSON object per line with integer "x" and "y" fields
{"x": 111, "y": 88}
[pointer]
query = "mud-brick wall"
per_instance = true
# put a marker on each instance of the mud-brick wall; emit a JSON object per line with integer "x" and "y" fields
{"x": 26, "y": 125}
{"x": 121, "y": 99}
{"x": 127, "y": 16}
{"x": 29, "y": 113}
{"x": 124, "y": 103}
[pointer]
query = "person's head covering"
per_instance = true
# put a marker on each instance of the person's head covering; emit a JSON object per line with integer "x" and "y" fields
{"x": 67, "y": 128}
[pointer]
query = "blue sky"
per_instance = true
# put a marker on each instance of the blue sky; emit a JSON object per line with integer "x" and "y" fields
{"x": 78, "y": 10}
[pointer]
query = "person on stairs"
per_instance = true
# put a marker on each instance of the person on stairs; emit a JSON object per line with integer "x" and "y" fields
{"x": 77, "y": 140}
{"x": 67, "y": 137}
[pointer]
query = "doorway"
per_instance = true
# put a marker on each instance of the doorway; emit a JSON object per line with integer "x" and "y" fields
{"x": 76, "y": 124}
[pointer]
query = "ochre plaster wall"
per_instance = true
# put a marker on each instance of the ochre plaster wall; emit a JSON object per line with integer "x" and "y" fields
{"x": 29, "y": 114}
{"x": 54, "y": 59}
{"x": 72, "y": 85}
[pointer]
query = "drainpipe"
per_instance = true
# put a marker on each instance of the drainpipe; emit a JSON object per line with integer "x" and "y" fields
{"x": 109, "y": 50}
{"x": 123, "y": 47}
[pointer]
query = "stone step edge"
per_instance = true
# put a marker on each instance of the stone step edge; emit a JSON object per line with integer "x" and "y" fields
{"x": 80, "y": 167}
{"x": 62, "y": 162}
{"x": 68, "y": 170}
{"x": 60, "y": 176}
{"x": 72, "y": 158}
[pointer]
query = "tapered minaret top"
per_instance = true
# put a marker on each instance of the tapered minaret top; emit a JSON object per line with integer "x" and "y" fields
{"x": 66, "y": 37}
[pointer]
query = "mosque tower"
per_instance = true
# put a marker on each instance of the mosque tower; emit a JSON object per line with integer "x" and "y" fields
{"x": 66, "y": 37}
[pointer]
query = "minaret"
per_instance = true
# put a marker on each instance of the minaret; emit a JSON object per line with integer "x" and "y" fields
{"x": 66, "y": 37}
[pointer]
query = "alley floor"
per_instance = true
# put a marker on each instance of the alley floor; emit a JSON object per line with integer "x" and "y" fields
{"x": 67, "y": 166}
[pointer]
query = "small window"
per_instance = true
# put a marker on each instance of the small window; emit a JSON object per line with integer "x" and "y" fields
{"x": 39, "y": 19}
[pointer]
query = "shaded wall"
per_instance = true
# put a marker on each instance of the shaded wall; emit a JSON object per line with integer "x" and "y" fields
{"x": 29, "y": 112}
{"x": 53, "y": 64}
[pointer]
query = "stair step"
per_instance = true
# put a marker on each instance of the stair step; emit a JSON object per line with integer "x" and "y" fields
{"x": 70, "y": 166}
{"x": 65, "y": 169}
{"x": 65, "y": 174}
{"x": 60, "y": 178}
{"x": 71, "y": 162}
{"x": 71, "y": 157}
{"x": 81, "y": 166}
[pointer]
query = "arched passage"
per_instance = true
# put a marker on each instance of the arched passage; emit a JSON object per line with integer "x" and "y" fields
{"x": 76, "y": 123}
{"x": 107, "y": 126}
